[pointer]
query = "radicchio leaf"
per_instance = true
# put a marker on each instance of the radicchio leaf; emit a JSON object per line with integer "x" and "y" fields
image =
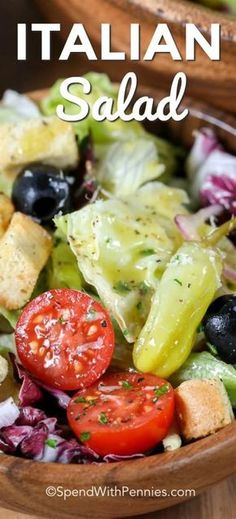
{"x": 29, "y": 392}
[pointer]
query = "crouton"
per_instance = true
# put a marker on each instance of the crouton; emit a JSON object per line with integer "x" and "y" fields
{"x": 3, "y": 369}
{"x": 46, "y": 140}
{"x": 203, "y": 407}
{"x": 6, "y": 212}
{"x": 24, "y": 250}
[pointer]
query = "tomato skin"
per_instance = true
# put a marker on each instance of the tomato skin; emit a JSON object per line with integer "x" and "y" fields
{"x": 134, "y": 422}
{"x": 65, "y": 339}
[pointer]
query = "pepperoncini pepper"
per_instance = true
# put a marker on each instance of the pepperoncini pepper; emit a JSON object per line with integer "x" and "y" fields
{"x": 185, "y": 291}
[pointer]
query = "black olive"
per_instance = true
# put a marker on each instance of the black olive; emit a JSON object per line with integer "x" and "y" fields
{"x": 220, "y": 327}
{"x": 42, "y": 191}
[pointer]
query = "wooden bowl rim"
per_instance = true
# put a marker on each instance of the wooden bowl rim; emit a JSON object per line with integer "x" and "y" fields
{"x": 204, "y": 449}
{"x": 181, "y": 12}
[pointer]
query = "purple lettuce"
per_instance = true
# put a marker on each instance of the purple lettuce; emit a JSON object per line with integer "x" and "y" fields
{"x": 205, "y": 143}
{"x": 13, "y": 435}
{"x": 220, "y": 187}
{"x": 30, "y": 416}
{"x": 29, "y": 393}
{"x": 212, "y": 172}
{"x": 28, "y": 431}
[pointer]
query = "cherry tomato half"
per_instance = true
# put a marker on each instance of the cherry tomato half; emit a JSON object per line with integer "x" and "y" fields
{"x": 65, "y": 338}
{"x": 123, "y": 413}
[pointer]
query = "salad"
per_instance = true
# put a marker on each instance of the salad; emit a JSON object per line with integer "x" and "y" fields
{"x": 117, "y": 285}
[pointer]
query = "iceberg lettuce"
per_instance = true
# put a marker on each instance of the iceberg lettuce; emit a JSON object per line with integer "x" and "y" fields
{"x": 62, "y": 268}
{"x": 122, "y": 248}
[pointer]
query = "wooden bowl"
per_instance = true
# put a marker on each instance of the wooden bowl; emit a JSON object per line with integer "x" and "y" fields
{"x": 212, "y": 81}
{"x": 23, "y": 483}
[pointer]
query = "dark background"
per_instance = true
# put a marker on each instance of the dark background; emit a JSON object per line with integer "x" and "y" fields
{"x": 33, "y": 73}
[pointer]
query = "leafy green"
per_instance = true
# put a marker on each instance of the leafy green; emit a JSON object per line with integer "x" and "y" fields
{"x": 10, "y": 315}
{"x": 8, "y": 115}
{"x": 121, "y": 276}
{"x": 165, "y": 200}
{"x": 127, "y": 165}
{"x": 63, "y": 271}
{"x": 205, "y": 365}
{"x": 7, "y": 343}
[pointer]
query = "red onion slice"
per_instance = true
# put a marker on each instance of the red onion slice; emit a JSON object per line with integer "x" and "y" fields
{"x": 188, "y": 224}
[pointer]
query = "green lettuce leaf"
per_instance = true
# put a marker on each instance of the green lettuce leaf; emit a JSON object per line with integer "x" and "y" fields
{"x": 128, "y": 165}
{"x": 205, "y": 365}
{"x": 7, "y": 343}
{"x": 124, "y": 166}
{"x": 168, "y": 200}
{"x": 11, "y": 316}
{"x": 122, "y": 249}
{"x": 62, "y": 268}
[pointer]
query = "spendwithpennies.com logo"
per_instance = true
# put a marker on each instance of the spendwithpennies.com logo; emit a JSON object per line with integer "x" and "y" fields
{"x": 123, "y": 491}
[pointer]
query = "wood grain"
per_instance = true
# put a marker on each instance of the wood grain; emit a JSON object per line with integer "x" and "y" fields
{"x": 212, "y": 81}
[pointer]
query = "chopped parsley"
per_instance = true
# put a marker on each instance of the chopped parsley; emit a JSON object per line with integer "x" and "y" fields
{"x": 51, "y": 442}
{"x": 103, "y": 419}
{"x": 143, "y": 288}
{"x": 139, "y": 305}
{"x": 126, "y": 385}
{"x": 80, "y": 400}
{"x": 147, "y": 252}
{"x": 85, "y": 436}
{"x": 83, "y": 400}
{"x": 159, "y": 391}
{"x": 178, "y": 281}
{"x": 122, "y": 287}
{"x": 126, "y": 332}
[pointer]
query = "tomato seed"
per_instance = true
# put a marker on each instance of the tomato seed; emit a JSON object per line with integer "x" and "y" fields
{"x": 38, "y": 319}
{"x": 78, "y": 366}
{"x": 92, "y": 330}
{"x": 147, "y": 408}
{"x": 33, "y": 346}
